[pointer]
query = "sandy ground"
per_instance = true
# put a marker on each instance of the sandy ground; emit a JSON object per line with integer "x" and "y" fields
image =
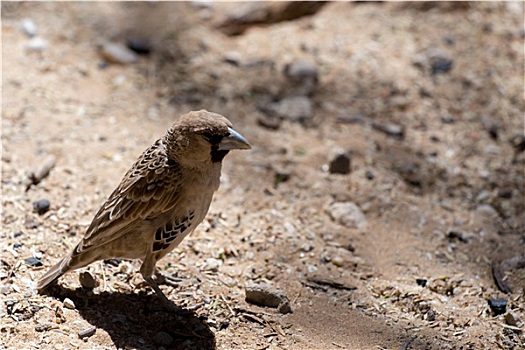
{"x": 441, "y": 192}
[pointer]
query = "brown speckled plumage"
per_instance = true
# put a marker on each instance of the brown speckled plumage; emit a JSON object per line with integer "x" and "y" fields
{"x": 160, "y": 200}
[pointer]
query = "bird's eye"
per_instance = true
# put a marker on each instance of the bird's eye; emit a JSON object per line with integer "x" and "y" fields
{"x": 207, "y": 135}
{"x": 211, "y": 137}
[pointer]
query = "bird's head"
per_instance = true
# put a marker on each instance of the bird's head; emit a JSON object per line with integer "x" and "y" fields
{"x": 202, "y": 137}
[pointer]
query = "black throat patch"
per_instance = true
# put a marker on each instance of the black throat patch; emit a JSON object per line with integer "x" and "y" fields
{"x": 216, "y": 154}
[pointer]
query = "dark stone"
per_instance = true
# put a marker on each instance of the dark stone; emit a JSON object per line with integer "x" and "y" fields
{"x": 142, "y": 47}
{"x": 340, "y": 164}
{"x": 498, "y": 305}
{"x": 453, "y": 235}
{"x": 33, "y": 262}
{"x": 369, "y": 175}
{"x": 421, "y": 282}
{"x": 441, "y": 65}
{"x": 41, "y": 206}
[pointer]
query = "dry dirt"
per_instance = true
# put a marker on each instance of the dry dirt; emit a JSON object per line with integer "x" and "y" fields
{"x": 443, "y": 202}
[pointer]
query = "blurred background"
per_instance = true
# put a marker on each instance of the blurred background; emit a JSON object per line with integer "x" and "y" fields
{"x": 383, "y": 200}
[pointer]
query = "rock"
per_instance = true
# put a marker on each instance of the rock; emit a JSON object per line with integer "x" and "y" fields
{"x": 512, "y": 319}
{"x": 295, "y": 108}
{"x": 68, "y": 303}
{"x": 163, "y": 339}
{"x": 33, "y": 262}
{"x": 338, "y": 261}
{"x": 139, "y": 46}
{"x": 421, "y": 282}
{"x": 212, "y": 264}
{"x": 486, "y": 211}
{"x": 234, "y": 58}
{"x": 88, "y": 332}
{"x": 340, "y": 164}
{"x": 41, "y": 206}
{"x": 302, "y": 76}
{"x": 457, "y": 235}
{"x": 396, "y": 131}
{"x": 369, "y": 175}
{"x": 492, "y": 126}
{"x": 434, "y": 60}
{"x": 37, "y": 44}
{"x": 347, "y": 214}
{"x": 281, "y": 175}
{"x": 117, "y": 53}
{"x": 253, "y": 13}
{"x": 263, "y": 295}
{"x": 272, "y": 123}
{"x": 28, "y": 27}
{"x": 440, "y": 65}
{"x": 518, "y": 142}
{"x": 498, "y": 305}
{"x": 87, "y": 280}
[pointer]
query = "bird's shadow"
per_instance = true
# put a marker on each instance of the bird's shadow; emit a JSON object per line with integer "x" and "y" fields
{"x": 135, "y": 320}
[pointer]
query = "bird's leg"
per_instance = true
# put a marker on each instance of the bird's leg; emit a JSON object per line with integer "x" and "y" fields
{"x": 147, "y": 269}
{"x": 170, "y": 280}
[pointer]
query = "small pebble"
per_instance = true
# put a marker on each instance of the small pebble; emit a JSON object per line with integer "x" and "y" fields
{"x": 441, "y": 65}
{"x": 212, "y": 264}
{"x": 41, "y": 206}
{"x": 453, "y": 235}
{"x": 37, "y": 44}
{"x": 87, "y": 280}
{"x": 338, "y": 261}
{"x": 396, "y": 131}
{"x": 295, "y": 108}
{"x": 163, "y": 339}
{"x": 69, "y": 304}
{"x": 518, "y": 142}
{"x": 421, "y": 282}
{"x": 301, "y": 70}
{"x": 86, "y": 333}
{"x": 43, "y": 327}
{"x": 512, "y": 319}
{"x": 303, "y": 76}
{"x": 347, "y": 214}
{"x": 498, "y": 305}
{"x": 33, "y": 262}
{"x": 263, "y": 295}
{"x": 281, "y": 175}
{"x": 117, "y": 53}
{"x": 307, "y": 247}
{"x": 142, "y": 47}
{"x": 233, "y": 58}
{"x": 340, "y": 164}
{"x": 272, "y": 123}
{"x": 28, "y": 27}
{"x": 369, "y": 175}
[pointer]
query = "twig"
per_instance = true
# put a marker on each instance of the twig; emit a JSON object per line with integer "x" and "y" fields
{"x": 41, "y": 172}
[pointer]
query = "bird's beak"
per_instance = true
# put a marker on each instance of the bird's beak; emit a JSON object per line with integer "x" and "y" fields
{"x": 233, "y": 141}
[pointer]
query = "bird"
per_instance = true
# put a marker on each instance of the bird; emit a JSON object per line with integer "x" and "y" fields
{"x": 160, "y": 200}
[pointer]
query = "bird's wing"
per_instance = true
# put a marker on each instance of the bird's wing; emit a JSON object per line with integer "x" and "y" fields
{"x": 150, "y": 188}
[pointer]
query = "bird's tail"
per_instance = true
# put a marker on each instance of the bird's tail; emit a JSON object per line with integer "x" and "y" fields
{"x": 55, "y": 272}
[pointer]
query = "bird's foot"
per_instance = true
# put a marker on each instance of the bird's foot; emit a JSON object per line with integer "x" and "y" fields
{"x": 169, "y": 280}
{"x": 166, "y": 303}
